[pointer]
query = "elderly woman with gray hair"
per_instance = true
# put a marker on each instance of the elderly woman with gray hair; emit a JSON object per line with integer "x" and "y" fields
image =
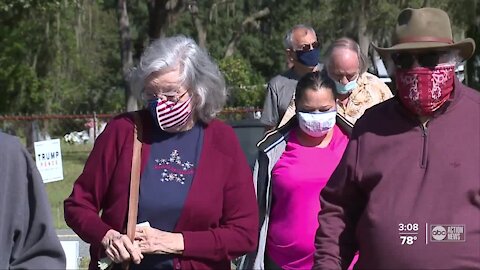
{"x": 196, "y": 190}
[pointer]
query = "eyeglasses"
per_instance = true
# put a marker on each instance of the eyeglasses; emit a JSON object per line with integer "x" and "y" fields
{"x": 308, "y": 47}
{"x": 429, "y": 60}
{"x": 171, "y": 96}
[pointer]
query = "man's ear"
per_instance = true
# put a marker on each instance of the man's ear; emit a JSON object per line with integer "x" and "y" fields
{"x": 289, "y": 53}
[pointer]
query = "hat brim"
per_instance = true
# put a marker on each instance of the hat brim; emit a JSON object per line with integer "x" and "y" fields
{"x": 466, "y": 47}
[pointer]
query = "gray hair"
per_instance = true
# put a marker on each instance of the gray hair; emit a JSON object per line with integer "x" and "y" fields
{"x": 347, "y": 43}
{"x": 288, "y": 40}
{"x": 198, "y": 73}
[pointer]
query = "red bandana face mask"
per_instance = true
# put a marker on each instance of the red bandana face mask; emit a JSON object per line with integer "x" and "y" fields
{"x": 423, "y": 90}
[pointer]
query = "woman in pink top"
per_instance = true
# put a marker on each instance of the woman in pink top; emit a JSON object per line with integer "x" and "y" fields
{"x": 294, "y": 164}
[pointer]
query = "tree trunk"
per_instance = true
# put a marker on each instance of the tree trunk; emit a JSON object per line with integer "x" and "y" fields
{"x": 126, "y": 54}
{"x": 162, "y": 13}
{"x": 158, "y": 21}
{"x": 426, "y": 3}
{"x": 201, "y": 31}
{"x": 403, "y": 4}
{"x": 232, "y": 44}
{"x": 472, "y": 69}
{"x": 363, "y": 34}
{"x": 78, "y": 29}
{"x": 90, "y": 20}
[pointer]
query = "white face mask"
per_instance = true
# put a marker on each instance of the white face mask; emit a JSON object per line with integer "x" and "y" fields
{"x": 316, "y": 124}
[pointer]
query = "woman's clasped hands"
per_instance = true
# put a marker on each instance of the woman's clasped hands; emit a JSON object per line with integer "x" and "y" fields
{"x": 119, "y": 248}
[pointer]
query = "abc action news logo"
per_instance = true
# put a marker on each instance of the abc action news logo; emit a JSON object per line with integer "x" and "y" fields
{"x": 447, "y": 233}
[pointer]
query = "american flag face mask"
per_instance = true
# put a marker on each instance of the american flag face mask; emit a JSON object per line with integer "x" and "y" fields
{"x": 171, "y": 114}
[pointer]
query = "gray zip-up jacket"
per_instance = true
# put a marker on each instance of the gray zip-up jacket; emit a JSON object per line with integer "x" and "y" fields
{"x": 271, "y": 148}
{"x": 27, "y": 237}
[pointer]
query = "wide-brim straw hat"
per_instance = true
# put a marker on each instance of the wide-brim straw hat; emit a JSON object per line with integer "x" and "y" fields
{"x": 426, "y": 29}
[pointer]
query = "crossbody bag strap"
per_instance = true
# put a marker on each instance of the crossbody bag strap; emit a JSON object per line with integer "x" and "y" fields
{"x": 134, "y": 177}
{"x": 134, "y": 181}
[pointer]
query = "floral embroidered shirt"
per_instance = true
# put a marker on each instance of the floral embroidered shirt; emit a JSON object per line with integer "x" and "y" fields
{"x": 165, "y": 183}
{"x": 370, "y": 91}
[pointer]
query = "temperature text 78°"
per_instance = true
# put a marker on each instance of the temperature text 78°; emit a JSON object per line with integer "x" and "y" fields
{"x": 408, "y": 240}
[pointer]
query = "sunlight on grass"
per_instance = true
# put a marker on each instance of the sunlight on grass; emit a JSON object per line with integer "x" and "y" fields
{"x": 73, "y": 158}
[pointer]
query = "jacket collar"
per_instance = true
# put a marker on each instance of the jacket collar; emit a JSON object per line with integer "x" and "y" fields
{"x": 277, "y": 135}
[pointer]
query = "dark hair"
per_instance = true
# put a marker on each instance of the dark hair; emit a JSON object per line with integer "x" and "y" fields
{"x": 314, "y": 80}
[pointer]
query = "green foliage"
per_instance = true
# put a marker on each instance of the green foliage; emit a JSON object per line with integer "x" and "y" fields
{"x": 473, "y": 68}
{"x": 73, "y": 159}
{"x": 64, "y": 61}
{"x": 64, "y": 56}
{"x": 246, "y": 88}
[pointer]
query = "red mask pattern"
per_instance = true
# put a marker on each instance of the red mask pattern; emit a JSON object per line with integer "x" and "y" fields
{"x": 171, "y": 114}
{"x": 423, "y": 90}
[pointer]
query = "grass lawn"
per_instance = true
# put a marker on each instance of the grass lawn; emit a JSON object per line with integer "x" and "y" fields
{"x": 73, "y": 159}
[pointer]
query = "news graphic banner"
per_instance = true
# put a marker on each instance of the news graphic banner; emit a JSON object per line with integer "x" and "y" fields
{"x": 434, "y": 233}
{"x": 447, "y": 233}
{"x": 48, "y": 157}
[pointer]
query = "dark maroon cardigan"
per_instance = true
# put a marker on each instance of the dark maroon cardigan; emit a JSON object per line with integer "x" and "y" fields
{"x": 219, "y": 220}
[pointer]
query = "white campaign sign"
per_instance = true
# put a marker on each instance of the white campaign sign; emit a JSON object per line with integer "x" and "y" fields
{"x": 72, "y": 250}
{"x": 48, "y": 157}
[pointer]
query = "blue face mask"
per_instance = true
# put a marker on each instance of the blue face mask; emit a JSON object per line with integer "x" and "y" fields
{"x": 308, "y": 58}
{"x": 347, "y": 88}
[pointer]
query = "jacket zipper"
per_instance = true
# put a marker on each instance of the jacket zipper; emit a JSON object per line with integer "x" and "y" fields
{"x": 423, "y": 165}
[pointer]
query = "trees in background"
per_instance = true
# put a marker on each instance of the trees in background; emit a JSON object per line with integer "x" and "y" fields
{"x": 60, "y": 56}
{"x": 471, "y": 26}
